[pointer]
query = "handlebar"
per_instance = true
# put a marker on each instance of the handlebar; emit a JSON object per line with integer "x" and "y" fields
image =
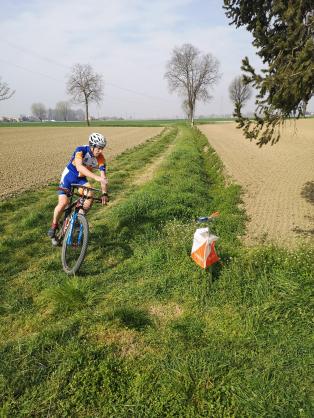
{"x": 70, "y": 192}
{"x": 80, "y": 186}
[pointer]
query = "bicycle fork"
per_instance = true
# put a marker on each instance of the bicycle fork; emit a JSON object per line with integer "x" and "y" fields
{"x": 71, "y": 226}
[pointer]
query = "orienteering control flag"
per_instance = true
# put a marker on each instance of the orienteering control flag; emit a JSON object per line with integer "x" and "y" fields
{"x": 203, "y": 249}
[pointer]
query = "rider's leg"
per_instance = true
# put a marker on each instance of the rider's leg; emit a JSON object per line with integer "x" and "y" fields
{"x": 62, "y": 203}
{"x": 88, "y": 202}
{"x": 67, "y": 178}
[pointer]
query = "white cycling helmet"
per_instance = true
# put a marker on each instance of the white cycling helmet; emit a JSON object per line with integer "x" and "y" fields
{"x": 97, "y": 140}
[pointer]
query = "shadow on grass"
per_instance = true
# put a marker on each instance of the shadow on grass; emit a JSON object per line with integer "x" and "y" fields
{"x": 216, "y": 270}
{"x": 112, "y": 246}
{"x": 109, "y": 255}
{"x": 189, "y": 329}
{"x": 130, "y": 317}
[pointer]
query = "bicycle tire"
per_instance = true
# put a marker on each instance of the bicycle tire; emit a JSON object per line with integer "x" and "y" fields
{"x": 70, "y": 267}
{"x": 62, "y": 231}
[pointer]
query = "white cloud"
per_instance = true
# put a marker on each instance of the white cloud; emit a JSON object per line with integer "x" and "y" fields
{"x": 129, "y": 42}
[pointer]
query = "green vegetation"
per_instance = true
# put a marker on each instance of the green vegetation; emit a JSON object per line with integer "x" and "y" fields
{"x": 122, "y": 123}
{"x": 285, "y": 84}
{"x": 143, "y": 331}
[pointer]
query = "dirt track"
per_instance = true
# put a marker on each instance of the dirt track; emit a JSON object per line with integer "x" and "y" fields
{"x": 35, "y": 156}
{"x": 278, "y": 180}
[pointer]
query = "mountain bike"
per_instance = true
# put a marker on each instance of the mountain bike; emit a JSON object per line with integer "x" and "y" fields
{"x": 74, "y": 231}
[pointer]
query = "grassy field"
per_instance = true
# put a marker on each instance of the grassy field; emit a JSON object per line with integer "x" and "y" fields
{"x": 122, "y": 123}
{"x": 142, "y": 331}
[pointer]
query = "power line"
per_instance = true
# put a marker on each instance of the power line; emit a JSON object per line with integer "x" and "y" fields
{"x": 138, "y": 93}
{"x": 28, "y": 51}
{"x": 30, "y": 71}
{"x": 59, "y": 80}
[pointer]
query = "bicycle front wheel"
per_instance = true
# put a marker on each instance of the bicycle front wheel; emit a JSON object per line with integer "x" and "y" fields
{"x": 74, "y": 245}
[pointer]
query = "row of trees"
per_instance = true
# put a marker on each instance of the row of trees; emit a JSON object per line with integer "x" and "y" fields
{"x": 83, "y": 85}
{"x": 62, "y": 112}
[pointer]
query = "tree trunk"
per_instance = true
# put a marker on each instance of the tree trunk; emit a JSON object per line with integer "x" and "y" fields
{"x": 192, "y": 115}
{"x": 86, "y": 107}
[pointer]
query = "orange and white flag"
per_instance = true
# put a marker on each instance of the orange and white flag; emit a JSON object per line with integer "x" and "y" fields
{"x": 203, "y": 249}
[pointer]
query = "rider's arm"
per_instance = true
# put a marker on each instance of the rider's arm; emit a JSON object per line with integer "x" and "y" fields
{"x": 102, "y": 168}
{"x": 104, "y": 187}
{"x": 104, "y": 184}
{"x": 85, "y": 171}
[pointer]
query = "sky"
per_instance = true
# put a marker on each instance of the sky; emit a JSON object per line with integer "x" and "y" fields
{"x": 129, "y": 42}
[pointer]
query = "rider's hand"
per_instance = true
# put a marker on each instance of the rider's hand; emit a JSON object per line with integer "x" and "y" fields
{"x": 104, "y": 200}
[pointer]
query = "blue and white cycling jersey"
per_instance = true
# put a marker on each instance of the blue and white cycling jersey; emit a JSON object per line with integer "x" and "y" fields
{"x": 85, "y": 155}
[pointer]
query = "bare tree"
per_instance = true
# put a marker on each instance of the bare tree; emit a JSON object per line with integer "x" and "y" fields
{"x": 39, "y": 110}
{"x": 85, "y": 86}
{"x": 63, "y": 110}
{"x": 79, "y": 114}
{"x": 51, "y": 114}
{"x": 186, "y": 109}
{"x": 239, "y": 93}
{"x": 5, "y": 91}
{"x": 191, "y": 74}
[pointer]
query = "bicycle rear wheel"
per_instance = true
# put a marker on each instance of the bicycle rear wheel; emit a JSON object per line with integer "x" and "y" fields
{"x": 74, "y": 245}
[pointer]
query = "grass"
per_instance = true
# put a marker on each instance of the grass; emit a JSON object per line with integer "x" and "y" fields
{"x": 122, "y": 123}
{"x": 142, "y": 331}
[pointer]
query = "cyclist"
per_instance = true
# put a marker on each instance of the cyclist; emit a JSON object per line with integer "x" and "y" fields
{"x": 83, "y": 161}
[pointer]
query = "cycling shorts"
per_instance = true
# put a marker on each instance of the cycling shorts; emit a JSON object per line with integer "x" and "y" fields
{"x": 68, "y": 178}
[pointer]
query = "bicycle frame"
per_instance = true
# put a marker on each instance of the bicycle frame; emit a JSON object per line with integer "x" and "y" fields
{"x": 73, "y": 236}
{"x": 72, "y": 223}
{"x": 78, "y": 204}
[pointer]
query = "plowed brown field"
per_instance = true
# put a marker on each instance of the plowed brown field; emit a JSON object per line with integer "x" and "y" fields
{"x": 278, "y": 180}
{"x": 33, "y": 157}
